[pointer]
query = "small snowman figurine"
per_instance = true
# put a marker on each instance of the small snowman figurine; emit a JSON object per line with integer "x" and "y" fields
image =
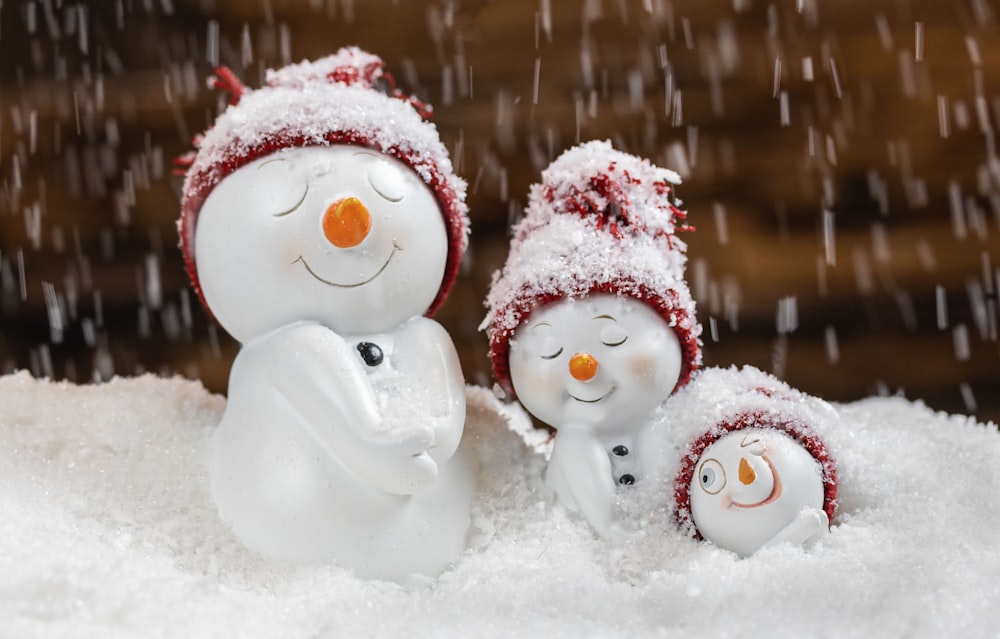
{"x": 591, "y": 323}
{"x": 321, "y": 224}
{"x": 754, "y": 471}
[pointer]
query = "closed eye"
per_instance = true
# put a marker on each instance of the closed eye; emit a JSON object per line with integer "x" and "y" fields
{"x": 554, "y": 355}
{"x": 279, "y": 186}
{"x": 387, "y": 179}
{"x": 384, "y": 192}
{"x": 612, "y": 334}
{"x": 296, "y": 205}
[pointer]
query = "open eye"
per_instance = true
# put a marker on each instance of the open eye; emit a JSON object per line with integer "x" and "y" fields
{"x": 711, "y": 476}
{"x": 613, "y": 334}
{"x": 388, "y": 180}
{"x": 278, "y": 188}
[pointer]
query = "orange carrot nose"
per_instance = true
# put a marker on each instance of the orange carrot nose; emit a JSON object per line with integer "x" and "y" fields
{"x": 583, "y": 366}
{"x": 346, "y": 222}
{"x": 747, "y": 474}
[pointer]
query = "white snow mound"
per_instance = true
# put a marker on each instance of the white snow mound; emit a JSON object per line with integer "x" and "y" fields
{"x": 107, "y": 530}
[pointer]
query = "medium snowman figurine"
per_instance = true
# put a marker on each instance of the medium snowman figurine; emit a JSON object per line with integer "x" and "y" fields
{"x": 755, "y": 472}
{"x": 591, "y": 323}
{"x": 321, "y": 224}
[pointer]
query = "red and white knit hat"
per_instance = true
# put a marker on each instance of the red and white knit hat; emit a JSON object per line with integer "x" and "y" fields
{"x": 601, "y": 221}
{"x": 719, "y": 401}
{"x": 344, "y": 98}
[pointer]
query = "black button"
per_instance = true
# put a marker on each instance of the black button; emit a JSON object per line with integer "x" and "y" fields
{"x": 620, "y": 450}
{"x": 626, "y": 480}
{"x": 371, "y": 353}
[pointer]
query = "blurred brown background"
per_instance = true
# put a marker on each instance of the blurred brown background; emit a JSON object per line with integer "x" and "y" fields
{"x": 839, "y": 162}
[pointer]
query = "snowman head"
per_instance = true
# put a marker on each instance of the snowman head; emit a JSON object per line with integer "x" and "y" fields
{"x": 602, "y": 360}
{"x": 322, "y": 196}
{"x": 755, "y": 456}
{"x": 749, "y": 484}
{"x": 600, "y": 229}
{"x": 341, "y": 235}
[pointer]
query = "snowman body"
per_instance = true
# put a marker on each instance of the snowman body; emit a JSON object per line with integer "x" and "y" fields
{"x": 341, "y": 437}
{"x": 757, "y": 487}
{"x": 596, "y": 369}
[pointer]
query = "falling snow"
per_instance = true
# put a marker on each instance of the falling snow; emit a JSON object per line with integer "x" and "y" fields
{"x": 844, "y": 176}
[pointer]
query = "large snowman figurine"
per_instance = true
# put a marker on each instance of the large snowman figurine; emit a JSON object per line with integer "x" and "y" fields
{"x": 754, "y": 471}
{"x": 591, "y": 323}
{"x": 322, "y": 222}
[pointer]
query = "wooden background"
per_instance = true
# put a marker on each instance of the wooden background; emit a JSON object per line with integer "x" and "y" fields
{"x": 839, "y": 162}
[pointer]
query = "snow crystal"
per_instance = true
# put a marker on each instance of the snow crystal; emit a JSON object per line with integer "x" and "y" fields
{"x": 599, "y": 221}
{"x": 282, "y": 110}
{"x": 108, "y": 530}
{"x": 308, "y": 71}
{"x": 599, "y": 217}
{"x": 303, "y": 103}
{"x": 716, "y": 395}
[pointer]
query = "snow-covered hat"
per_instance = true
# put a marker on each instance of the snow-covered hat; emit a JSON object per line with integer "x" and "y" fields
{"x": 600, "y": 221}
{"x": 719, "y": 401}
{"x": 344, "y": 98}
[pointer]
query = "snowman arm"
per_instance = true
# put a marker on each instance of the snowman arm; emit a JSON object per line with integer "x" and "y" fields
{"x": 426, "y": 353}
{"x": 318, "y": 374}
{"x": 583, "y": 463}
{"x": 807, "y": 527}
{"x": 315, "y": 370}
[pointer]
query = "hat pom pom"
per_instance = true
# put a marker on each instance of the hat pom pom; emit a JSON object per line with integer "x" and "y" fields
{"x": 622, "y": 194}
{"x": 225, "y": 80}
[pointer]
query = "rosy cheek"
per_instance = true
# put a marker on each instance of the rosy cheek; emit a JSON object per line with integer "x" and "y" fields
{"x": 541, "y": 380}
{"x": 641, "y": 365}
{"x": 548, "y": 381}
{"x": 542, "y": 392}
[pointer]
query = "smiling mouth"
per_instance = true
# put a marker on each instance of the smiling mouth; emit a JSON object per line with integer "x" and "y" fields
{"x": 775, "y": 489}
{"x": 395, "y": 247}
{"x": 594, "y": 401}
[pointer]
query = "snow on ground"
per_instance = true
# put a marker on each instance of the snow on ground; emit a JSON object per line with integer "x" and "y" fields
{"x": 107, "y": 530}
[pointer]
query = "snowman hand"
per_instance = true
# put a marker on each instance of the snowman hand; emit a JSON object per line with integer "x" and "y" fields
{"x": 398, "y": 461}
{"x": 582, "y": 463}
{"x": 426, "y": 356}
{"x": 806, "y": 529}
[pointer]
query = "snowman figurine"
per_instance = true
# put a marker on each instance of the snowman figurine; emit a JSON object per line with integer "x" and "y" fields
{"x": 591, "y": 323}
{"x": 754, "y": 473}
{"x": 321, "y": 224}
